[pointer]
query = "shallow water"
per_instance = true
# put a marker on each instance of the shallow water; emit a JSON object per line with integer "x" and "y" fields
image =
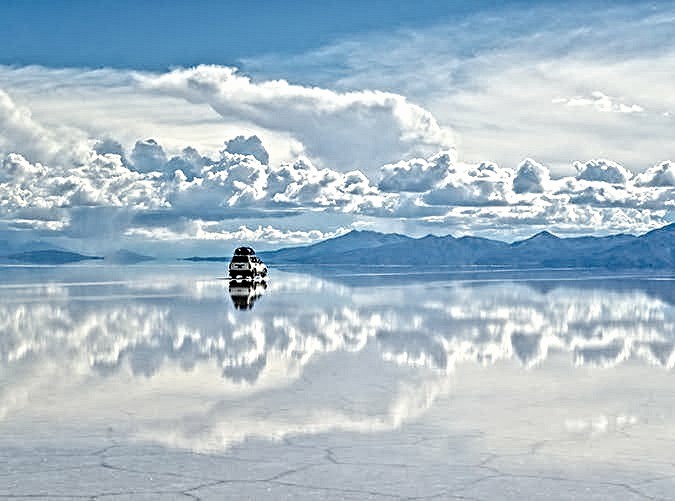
{"x": 168, "y": 381}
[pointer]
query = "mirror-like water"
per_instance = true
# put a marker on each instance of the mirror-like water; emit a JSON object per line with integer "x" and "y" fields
{"x": 170, "y": 381}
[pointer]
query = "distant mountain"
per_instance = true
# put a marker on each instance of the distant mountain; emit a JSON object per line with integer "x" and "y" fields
{"x": 38, "y": 252}
{"x": 335, "y": 248}
{"x": 124, "y": 256}
{"x": 50, "y": 257}
{"x": 321, "y": 252}
{"x": 655, "y": 249}
{"x": 429, "y": 250}
{"x": 217, "y": 259}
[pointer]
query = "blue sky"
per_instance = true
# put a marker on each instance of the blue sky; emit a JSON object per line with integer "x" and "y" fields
{"x": 490, "y": 118}
{"x": 157, "y": 35}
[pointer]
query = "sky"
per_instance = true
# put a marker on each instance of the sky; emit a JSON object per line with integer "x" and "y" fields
{"x": 189, "y": 127}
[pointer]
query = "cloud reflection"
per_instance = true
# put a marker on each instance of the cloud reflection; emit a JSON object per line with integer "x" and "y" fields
{"x": 419, "y": 331}
{"x": 432, "y": 327}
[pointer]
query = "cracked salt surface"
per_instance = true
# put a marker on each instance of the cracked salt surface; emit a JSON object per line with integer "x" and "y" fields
{"x": 125, "y": 383}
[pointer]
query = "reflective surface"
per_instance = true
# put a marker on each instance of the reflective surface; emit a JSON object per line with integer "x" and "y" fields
{"x": 170, "y": 381}
{"x": 245, "y": 293}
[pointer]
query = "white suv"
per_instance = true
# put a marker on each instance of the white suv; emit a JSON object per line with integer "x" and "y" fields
{"x": 245, "y": 264}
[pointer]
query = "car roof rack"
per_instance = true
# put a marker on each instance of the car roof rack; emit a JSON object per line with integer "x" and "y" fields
{"x": 244, "y": 251}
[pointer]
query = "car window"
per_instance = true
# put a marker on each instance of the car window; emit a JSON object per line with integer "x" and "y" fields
{"x": 240, "y": 259}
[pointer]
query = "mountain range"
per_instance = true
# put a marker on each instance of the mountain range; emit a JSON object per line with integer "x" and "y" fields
{"x": 654, "y": 249}
{"x": 45, "y": 254}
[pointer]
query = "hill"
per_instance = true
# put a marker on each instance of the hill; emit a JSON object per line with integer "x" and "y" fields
{"x": 654, "y": 249}
{"x": 335, "y": 248}
{"x": 124, "y": 256}
{"x": 50, "y": 257}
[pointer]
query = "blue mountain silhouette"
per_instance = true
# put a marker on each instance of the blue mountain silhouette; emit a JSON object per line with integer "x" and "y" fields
{"x": 654, "y": 249}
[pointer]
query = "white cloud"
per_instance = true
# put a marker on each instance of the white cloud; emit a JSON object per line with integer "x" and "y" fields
{"x": 361, "y": 129}
{"x": 248, "y": 146}
{"x": 492, "y": 78}
{"x": 86, "y": 187}
{"x": 189, "y": 162}
{"x": 233, "y": 180}
{"x": 148, "y": 156}
{"x": 108, "y": 103}
{"x": 473, "y": 185}
{"x": 303, "y": 184}
{"x": 599, "y": 102}
{"x": 209, "y": 230}
{"x": 416, "y": 175}
{"x": 531, "y": 177}
{"x": 20, "y": 133}
{"x": 557, "y": 215}
{"x": 102, "y": 181}
{"x": 68, "y": 174}
{"x": 16, "y": 169}
{"x": 610, "y": 195}
{"x": 602, "y": 170}
{"x": 662, "y": 174}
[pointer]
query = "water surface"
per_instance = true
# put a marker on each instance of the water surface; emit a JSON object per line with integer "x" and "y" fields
{"x": 169, "y": 381}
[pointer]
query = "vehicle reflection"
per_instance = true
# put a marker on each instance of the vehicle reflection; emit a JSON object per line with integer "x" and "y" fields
{"x": 245, "y": 293}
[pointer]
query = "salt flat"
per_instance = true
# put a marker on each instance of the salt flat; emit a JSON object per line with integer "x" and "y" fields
{"x": 166, "y": 381}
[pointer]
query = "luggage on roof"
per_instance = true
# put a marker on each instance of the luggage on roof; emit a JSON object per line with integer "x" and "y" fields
{"x": 244, "y": 251}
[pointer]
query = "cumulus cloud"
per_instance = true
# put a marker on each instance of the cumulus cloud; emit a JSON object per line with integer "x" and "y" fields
{"x": 109, "y": 145}
{"x": 302, "y": 184}
{"x": 69, "y": 174}
{"x": 209, "y": 230}
{"x": 242, "y": 182}
{"x": 490, "y": 78}
{"x": 441, "y": 180}
{"x": 20, "y": 133}
{"x": 599, "y": 102}
{"x": 609, "y": 195}
{"x": 189, "y": 162}
{"x": 101, "y": 181}
{"x": 416, "y": 175}
{"x": 660, "y": 175}
{"x": 555, "y": 214}
{"x": 603, "y": 170}
{"x": 248, "y": 146}
{"x": 148, "y": 156}
{"x": 231, "y": 181}
{"x": 531, "y": 177}
{"x": 366, "y": 128}
{"x": 473, "y": 185}
{"x": 16, "y": 169}
{"x": 188, "y": 191}
{"x": 91, "y": 188}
